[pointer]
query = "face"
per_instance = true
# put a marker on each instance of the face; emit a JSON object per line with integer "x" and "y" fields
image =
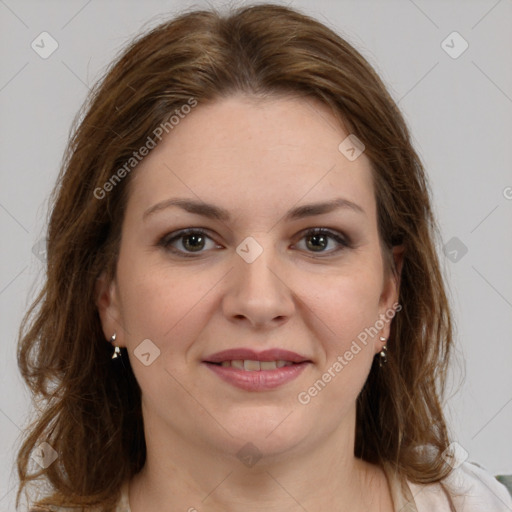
{"x": 257, "y": 275}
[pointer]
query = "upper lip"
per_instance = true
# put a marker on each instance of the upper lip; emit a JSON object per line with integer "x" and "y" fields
{"x": 274, "y": 354}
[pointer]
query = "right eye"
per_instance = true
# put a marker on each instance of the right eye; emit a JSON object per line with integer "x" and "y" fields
{"x": 191, "y": 240}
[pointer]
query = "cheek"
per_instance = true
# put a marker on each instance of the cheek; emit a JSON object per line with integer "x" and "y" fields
{"x": 157, "y": 303}
{"x": 166, "y": 308}
{"x": 350, "y": 311}
{"x": 168, "y": 305}
{"x": 349, "y": 304}
{"x": 350, "y": 308}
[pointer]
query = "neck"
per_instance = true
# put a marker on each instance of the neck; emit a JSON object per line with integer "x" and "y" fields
{"x": 182, "y": 475}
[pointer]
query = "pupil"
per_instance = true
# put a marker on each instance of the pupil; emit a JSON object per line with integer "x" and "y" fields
{"x": 323, "y": 239}
{"x": 197, "y": 238}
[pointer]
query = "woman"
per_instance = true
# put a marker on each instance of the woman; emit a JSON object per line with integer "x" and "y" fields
{"x": 243, "y": 302}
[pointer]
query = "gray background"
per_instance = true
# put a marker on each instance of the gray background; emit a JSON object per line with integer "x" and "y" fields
{"x": 460, "y": 114}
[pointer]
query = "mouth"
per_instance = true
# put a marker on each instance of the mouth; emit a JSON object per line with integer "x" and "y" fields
{"x": 252, "y": 371}
{"x": 251, "y": 365}
{"x": 278, "y": 356}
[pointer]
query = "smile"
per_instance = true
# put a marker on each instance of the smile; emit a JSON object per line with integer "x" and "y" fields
{"x": 249, "y": 370}
{"x": 250, "y": 365}
{"x": 252, "y": 375}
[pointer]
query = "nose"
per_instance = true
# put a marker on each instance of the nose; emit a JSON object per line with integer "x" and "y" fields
{"x": 257, "y": 293}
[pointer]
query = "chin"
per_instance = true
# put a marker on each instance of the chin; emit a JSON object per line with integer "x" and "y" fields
{"x": 267, "y": 434}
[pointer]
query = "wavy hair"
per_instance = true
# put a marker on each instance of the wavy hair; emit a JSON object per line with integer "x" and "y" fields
{"x": 88, "y": 408}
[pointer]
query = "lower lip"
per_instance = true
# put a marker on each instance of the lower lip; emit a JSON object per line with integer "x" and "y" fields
{"x": 261, "y": 380}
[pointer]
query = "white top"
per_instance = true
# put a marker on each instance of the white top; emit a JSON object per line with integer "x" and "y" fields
{"x": 468, "y": 488}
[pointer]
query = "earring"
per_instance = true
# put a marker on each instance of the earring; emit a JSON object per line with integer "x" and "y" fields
{"x": 383, "y": 353}
{"x": 117, "y": 351}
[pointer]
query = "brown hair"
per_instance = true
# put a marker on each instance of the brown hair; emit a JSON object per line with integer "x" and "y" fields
{"x": 90, "y": 409}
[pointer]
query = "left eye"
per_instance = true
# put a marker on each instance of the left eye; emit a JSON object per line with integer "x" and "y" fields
{"x": 319, "y": 240}
{"x": 194, "y": 241}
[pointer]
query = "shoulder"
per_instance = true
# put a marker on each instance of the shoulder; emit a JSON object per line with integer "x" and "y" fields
{"x": 468, "y": 488}
{"x": 122, "y": 504}
{"x": 121, "y": 507}
{"x": 55, "y": 508}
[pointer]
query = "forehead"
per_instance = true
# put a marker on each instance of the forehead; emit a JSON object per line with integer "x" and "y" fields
{"x": 254, "y": 155}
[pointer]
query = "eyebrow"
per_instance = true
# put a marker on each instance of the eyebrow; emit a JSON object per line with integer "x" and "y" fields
{"x": 215, "y": 212}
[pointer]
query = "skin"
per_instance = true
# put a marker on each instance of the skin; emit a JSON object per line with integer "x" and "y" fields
{"x": 257, "y": 159}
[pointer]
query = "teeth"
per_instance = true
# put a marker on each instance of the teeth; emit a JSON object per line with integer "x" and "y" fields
{"x": 250, "y": 365}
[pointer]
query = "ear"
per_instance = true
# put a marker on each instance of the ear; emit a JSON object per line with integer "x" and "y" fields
{"x": 107, "y": 303}
{"x": 391, "y": 290}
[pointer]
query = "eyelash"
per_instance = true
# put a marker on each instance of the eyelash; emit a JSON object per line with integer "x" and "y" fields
{"x": 168, "y": 239}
